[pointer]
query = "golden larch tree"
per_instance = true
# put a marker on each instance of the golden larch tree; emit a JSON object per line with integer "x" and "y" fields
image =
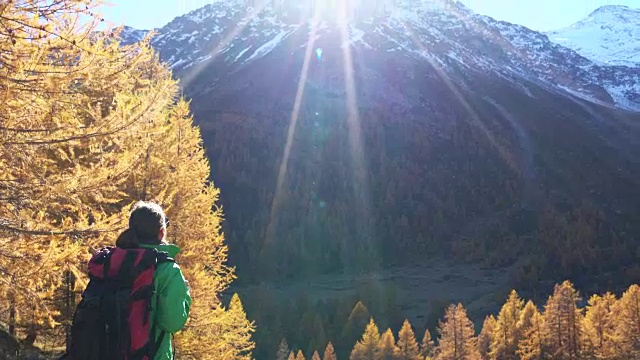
{"x": 427, "y": 346}
{"x": 89, "y": 126}
{"x": 526, "y": 317}
{"x": 457, "y": 336}
{"x": 175, "y": 173}
{"x": 387, "y": 349}
{"x": 234, "y": 332}
{"x": 367, "y": 347}
{"x": 408, "y": 348}
{"x": 600, "y": 326}
{"x": 329, "y": 352}
{"x": 628, "y": 323}
{"x": 532, "y": 345}
{"x": 356, "y": 324}
{"x": 485, "y": 336}
{"x": 300, "y": 355}
{"x": 78, "y": 109}
{"x": 315, "y": 356}
{"x": 563, "y": 323}
{"x": 506, "y": 335}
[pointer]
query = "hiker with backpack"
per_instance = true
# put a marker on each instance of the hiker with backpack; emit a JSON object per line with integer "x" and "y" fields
{"x": 137, "y": 296}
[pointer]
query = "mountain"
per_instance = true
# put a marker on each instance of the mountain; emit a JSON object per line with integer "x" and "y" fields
{"x": 189, "y": 41}
{"x": 413, "y": 138}
{"x": 610, "y": 35}
{"x": 422, "y": 129}
{"x": 131, "y": 35}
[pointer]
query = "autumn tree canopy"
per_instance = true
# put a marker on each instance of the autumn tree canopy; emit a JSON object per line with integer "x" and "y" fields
{"x": 457, "y": 336}
{"x": 87, "y": 127}
{"x": 607, "y": 328}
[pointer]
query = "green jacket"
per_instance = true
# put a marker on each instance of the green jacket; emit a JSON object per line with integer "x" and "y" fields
{"x": 171, "y": 301}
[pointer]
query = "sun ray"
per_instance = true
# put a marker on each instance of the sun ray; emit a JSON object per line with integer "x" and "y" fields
{"x": 474, "y": 117}
{"x": 293, "y": 121}
{"x": 356, "y": 146}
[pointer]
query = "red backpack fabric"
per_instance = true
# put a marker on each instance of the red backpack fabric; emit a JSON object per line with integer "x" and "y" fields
{"x": 113, "y": 319}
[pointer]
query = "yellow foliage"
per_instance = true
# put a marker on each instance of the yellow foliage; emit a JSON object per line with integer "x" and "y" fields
{"x": 564, "y": 323}
{"x": 507, "y": 334}
{"x": 600, "y": 326}
{"x": 329, "y": 352}
{"x": 300, "y": 355}
{"x": 367, "y": 347}
{"x": 457, "y": 336}
{"x": 407, "y": 345}
{"x": 88, "y": 127}
{"x": 627, "y": 332}
{"x": 387, "y": 349}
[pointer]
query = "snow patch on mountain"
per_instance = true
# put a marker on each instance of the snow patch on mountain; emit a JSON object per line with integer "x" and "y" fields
{"x": 269, "y": 45}
{"x": 242, "y": 53}
{"x": 610, "y": 35}
{"x": 356, "y": 36}
{"x": 624, "y": 95}
{"x": 197, "y": 61}
{"x": 451, "y": 38}
{"x": 567, "y": 69}
{"x": 178, "y": 63}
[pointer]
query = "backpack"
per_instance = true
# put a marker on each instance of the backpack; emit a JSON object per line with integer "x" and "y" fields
{"x": 112, "y": 321}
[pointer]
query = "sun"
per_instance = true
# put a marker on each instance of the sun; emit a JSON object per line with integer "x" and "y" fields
{"x": 335, "y": 10}
{"x": 325, "y": 10}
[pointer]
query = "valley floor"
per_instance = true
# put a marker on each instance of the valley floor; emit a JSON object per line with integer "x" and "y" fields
{"x": 418, "y": 287}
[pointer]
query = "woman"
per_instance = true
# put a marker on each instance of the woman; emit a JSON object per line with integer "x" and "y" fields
{"x": 136, "y": 298}
{"x": 171, "y": 301}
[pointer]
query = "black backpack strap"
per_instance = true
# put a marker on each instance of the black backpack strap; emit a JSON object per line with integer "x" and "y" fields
{"x": 127, "y": 267}
{"x": 163, "y": 257}
{"x": 155, "y": 345}
{"x": 153, "y": 257}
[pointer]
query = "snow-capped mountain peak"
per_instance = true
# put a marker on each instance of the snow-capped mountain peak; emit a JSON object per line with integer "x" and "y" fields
{"x": 621, "y": 11}
{"x": 228, "y": 36}
{"x": 133, "y": 35}
{"x": 609, "y": 35}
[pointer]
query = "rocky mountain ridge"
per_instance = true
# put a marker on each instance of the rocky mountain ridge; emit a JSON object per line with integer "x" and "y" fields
{"x": 439, "y": 35}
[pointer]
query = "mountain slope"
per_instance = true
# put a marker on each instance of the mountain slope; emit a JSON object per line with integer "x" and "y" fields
{"x": 610, "y": 35}
{"x": 472, "y": 137}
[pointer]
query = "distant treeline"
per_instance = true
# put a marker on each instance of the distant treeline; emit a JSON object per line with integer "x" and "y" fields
{"x": 607, "y": 328}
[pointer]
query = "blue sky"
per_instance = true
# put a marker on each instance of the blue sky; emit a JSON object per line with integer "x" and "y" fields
{"x": 540, "y": 15}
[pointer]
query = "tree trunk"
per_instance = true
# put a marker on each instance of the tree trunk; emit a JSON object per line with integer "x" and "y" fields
{"x": 12, "y": 315}
{"x": 455, "y": 334}
{"x": 70, "y": 302}
{"x": 32, "y": 330}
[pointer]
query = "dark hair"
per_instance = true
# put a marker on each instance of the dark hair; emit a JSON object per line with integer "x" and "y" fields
{"x": 145, "y": 222}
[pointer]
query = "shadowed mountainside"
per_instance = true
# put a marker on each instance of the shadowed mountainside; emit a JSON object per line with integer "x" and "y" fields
{"x": 469, "y": 137}
{"x": 427, "y": 134}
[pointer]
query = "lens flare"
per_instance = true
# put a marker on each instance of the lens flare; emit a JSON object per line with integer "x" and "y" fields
{"x": 293, "y": 121}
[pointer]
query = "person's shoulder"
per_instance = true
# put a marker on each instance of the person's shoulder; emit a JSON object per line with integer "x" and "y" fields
{"x": 168, "y": 274}
{"x": 171, "y": 267}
